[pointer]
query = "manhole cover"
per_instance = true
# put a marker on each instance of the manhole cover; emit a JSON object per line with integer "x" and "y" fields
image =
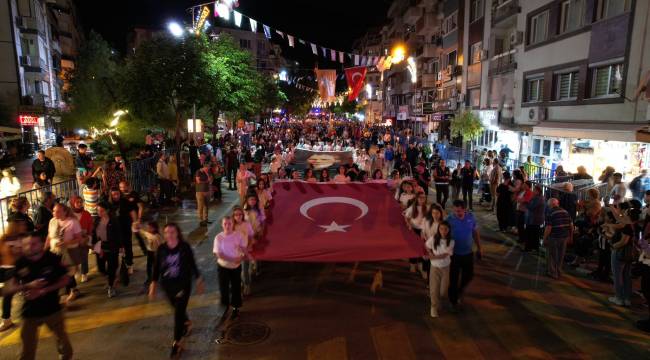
{"x": 247, "y": 333}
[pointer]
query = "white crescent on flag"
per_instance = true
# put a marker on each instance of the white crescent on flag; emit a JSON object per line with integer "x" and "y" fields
{"x": 304, "y": 208}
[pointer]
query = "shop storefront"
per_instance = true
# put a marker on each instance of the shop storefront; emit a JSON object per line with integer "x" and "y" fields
{"x": 595, "y": 147}
{"x": 494, "y": 137}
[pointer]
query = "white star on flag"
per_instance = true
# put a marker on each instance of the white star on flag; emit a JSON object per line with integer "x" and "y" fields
{"x": 334, "y": 227}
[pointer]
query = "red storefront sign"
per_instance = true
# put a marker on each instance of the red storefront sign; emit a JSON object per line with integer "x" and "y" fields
{"x": 28, "y": 120}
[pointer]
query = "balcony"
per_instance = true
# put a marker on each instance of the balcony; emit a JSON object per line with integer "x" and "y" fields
{"x": 54, "y": 44}
{"x": 29, "y": 24}
{"x": 503, "y": 63}
{"x": 426, "y": 24}
{"x": 504, "y": 9}
{"x": 31, "y": 64}
{"x": 412, "y": 14}
{"x": 426, "y": 51}
{"x": 429, "y": 81}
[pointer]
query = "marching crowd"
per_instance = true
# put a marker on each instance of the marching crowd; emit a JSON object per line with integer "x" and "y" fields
{"x": 48, "y": 250}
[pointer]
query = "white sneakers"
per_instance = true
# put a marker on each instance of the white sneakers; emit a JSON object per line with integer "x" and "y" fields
{"x": 84, "y": 278}
{"x": 616, "y": 301}
{"x": 111, "y": 292}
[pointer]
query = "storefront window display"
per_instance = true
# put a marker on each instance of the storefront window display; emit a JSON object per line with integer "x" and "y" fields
{"x": 595, "y": 155}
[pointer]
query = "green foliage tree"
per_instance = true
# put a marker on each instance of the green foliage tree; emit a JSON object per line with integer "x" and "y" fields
{"x": 166, "y": 76}
{"x": 271, "y": 96}
{"x": 232, "y": 83}
{"x": 467, "y": 125}
{"x": 299, "y": 101}
{"x": 346, "y": 108}
{"x": 92, "y": 95}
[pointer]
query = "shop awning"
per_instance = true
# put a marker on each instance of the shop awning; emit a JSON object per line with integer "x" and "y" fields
{"x": 592, "y": 130}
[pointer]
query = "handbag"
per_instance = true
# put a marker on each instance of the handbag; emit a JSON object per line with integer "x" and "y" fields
{"x": 124, "y": 273}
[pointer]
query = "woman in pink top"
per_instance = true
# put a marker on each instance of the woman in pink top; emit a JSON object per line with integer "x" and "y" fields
{"x": 230, "y": 249}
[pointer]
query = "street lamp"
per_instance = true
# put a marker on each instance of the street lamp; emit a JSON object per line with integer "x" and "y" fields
{"x": 398, "y": 54}
{"x": 175, "y": 29}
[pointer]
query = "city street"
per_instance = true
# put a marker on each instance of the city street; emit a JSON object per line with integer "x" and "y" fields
{"x": 366, "y": 141}
{"x": 328, "y": 311}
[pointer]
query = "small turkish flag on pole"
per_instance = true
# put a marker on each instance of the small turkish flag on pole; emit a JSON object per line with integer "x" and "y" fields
{"x": 336, "y": 223}
{"x": 356, "y": 77}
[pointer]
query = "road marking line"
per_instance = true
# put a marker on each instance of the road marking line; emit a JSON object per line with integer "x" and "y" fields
{"x": 333, "y": 349}
{"x": 114, "y": 317}
{"x": 392, "y": 342}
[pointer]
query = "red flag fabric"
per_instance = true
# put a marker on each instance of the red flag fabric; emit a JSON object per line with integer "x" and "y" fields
{"x": 356, "y": 77}
{"x": 325, "y": 222}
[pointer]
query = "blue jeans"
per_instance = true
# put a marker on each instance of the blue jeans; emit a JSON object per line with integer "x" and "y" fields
{"x": 622, "y": 272}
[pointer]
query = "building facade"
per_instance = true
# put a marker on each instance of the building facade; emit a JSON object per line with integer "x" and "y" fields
{"x": 39, "y": 41}
{"x": 548, "y": 78}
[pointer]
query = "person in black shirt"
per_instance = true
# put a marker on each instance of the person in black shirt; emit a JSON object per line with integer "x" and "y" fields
{"x": 441, "y": 176}
{"x": 468, "y": 174}
{"x": 18, "y": 212}
{"x": 43, "y": 164}
{"x": 44, "y": 214}
{"x": 39, "y": 276}
{"x": 130, "y": 211}
{"x": 232, "y": 164}
{"x": 175, "y": 268}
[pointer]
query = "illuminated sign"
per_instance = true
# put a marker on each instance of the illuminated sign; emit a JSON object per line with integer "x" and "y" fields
{"x": 202, "y": 18}
{"x": 28, "y": 120}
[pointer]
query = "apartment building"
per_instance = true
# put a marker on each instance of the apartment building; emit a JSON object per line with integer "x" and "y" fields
{"x": 561, "y": 81}
{"x": 267, "y": 56}
{"x": 39, "y": 41}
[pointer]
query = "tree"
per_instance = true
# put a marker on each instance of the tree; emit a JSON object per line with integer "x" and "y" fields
{"x": 467, "y": 125}
{"x": 347, "y": 107}
{"x": 92, "y": 96}
{"x": 232, "y": 81}
{"x": 166, "y": 76}
{"x": 271, "y": 96}
{"x": 299, "y": 101}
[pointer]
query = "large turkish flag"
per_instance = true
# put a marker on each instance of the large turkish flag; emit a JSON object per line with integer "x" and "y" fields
{"x": 325, "y": 222}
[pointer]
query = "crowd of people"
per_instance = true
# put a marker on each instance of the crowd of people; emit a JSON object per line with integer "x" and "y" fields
{"x": 55, "y": 241}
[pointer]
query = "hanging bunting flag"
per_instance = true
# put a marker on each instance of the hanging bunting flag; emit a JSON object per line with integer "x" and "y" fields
{"x": 314, "y": 49}
{"x": 375, "y": 60}
{"x": 349, "y": 56}
{"x": 356, "y": 60}
{"x": 364, "y": 61}
{"x": 253, "y": 25}
{"x": 341, "y": 57}
{"x": 326, "y": 84}
{"x": 290, "y": 38}
{"x": 385, "y": 64}
{"x": 267, "y": 31}
{"x": 302, "y": 41}
{"x": 237, "y": 17}
{"x": 356, "y": 77}
{"x": 381, "y": 60}
{"x": 280, "y": 33}
{"x": 222, "y": 10}
{"x": 333, "y": 55}
{"x": 324, "y": 51}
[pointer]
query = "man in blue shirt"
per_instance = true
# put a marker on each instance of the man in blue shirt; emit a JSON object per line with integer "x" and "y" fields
{"x": 464, "y": 232}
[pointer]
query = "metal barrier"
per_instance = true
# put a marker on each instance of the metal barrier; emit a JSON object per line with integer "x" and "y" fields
{"x": 62, "y": 191}
{"x": 142, "y": 175}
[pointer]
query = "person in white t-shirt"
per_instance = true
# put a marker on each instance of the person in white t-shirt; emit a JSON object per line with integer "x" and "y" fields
{"x": 230, "y": 248}
{"x": 246, "y": 230}
{"x": 64, "y": 237}
{"x": 341, "y": 177}
{"x": 440, "y": 248}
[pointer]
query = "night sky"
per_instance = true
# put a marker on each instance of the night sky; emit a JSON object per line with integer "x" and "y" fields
{"x": 330, "y": 23}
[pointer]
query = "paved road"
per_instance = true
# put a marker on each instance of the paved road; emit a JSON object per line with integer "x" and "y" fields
{"x": 328, "y": 311}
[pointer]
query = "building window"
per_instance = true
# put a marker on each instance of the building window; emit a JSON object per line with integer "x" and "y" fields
{"x": 538, "y": 28}
{"x": 567, "y": 86}
{"x": 571, "y": 15}
{"x": 476, "y": 52}
{"x": 477, "y": 10}
{"x": 607, "y": 80}
{"x": 449, "y": 60}
{"x": 475, "y": 97}
{"x": 606, "y": 9}
{"x": 244, "y": 43}
{"x": 450, "y": 23}
{"x": 535, "y": 89}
